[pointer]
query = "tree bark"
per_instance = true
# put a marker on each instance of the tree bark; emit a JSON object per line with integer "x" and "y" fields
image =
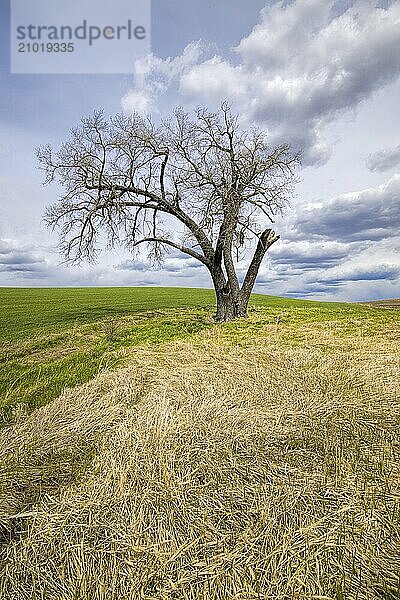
{"x": 225, "y": 306}
{"x": 229, "y": 306}
{"x": 267, "y": 238}
{"x": 229, "y": 301}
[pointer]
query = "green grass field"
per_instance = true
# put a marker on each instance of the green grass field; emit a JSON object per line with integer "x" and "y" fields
{"x": 34, "y": 312}
{"x": 53, "y": 338}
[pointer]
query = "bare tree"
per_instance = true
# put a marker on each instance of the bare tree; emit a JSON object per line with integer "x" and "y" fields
{"x": 126, "y": 176}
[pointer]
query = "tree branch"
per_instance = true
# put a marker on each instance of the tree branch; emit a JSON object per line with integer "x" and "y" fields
{"x": 179, "y": 247}
{"x": 267, "y": 238}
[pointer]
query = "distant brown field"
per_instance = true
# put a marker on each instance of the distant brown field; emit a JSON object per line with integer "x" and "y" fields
{"x": 392, "y": 303}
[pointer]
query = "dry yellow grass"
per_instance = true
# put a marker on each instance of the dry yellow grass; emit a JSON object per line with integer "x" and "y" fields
{"x": 224, "y": 468}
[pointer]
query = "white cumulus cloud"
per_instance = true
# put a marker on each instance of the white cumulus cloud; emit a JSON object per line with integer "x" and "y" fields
{"x": 154, "y": 75}
{"x": 300, "y": 67}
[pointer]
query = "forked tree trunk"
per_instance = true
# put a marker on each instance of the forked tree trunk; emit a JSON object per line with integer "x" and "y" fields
{"x": 230, "y": 306}
{"x": 232, "y": 301}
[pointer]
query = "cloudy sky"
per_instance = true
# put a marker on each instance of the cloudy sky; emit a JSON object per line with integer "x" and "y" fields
{"x": 319, "y": 74}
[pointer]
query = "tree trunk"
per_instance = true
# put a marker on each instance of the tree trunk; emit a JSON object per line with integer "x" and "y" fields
{"x": 229, "y": 305}
{"x": 232, "y": 301}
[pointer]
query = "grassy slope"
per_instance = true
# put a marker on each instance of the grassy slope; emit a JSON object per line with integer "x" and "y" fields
{"x": 53, "y": 338}
{"x": 57, "y": 337}
{"x": 32, "y": 312}
{"x": 253, "y": 460}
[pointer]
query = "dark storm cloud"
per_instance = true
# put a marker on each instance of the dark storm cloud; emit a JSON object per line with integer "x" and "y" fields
{"x": 133, "y": 265}
{"x": 369, "y": 215}
{"x": 330, "y": 282}
{"x": 20, "y": 268}
{"x": 178, "y": 265}
{"x": 308, "y": 256}
{"x": 25, "y": 273}
{"x": 17, "y": 258}
{"x": 311, "y": 289}
{"x": 24, "y": 262}
{"x": 268, "y": 278}
{"x": 150, "y": 281}
{"x": 373, "y": 273}
{"x": 175, "y": 267}
{"x": 384, "y": 160}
